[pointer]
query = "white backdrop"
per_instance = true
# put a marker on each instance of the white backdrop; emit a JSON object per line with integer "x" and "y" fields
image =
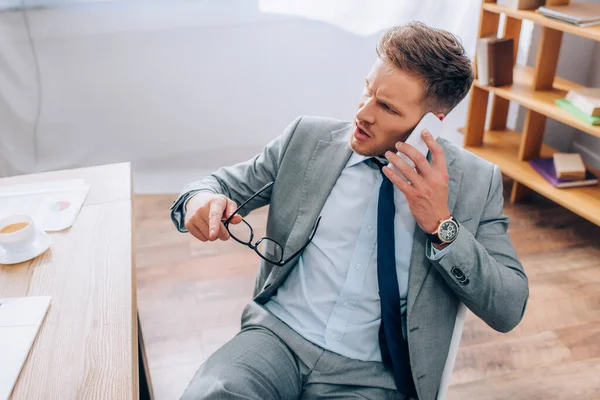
{"x": 180, "y": 88}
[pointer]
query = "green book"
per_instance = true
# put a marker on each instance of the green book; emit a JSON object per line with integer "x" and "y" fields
{"x": 568, "y": 106}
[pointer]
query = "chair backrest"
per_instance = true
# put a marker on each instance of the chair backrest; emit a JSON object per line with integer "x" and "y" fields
{"x": 452, "y": 351}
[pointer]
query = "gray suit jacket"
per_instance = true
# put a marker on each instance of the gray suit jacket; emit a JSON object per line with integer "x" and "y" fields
{"x": 481, "y": 269}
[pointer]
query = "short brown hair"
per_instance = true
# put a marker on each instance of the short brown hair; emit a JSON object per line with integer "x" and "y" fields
{"x": 435, "y": 56}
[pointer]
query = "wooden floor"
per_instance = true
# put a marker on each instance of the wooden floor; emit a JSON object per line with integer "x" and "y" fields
{"x": 191, "y": 294}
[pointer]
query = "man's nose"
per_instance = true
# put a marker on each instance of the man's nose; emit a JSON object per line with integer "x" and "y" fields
{"x": 365, "y": 112}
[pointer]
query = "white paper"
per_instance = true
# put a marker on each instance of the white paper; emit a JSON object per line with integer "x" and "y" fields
{"x": 53, "y": 206}
{"x": 20, "y": 321}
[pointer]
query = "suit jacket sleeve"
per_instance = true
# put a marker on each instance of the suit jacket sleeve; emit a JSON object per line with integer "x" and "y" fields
{"x": 482, "y": 267}
{"x": 239, "y": 181}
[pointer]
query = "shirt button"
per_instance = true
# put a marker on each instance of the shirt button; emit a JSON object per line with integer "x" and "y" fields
{"x": 370, "y": 228}
{"x": 345, "y": 303}
{"x": 357, "y": 266}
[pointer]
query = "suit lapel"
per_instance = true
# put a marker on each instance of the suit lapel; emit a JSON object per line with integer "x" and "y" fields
{"x": 419, "y": 264}
{"x": 324, "y": 168}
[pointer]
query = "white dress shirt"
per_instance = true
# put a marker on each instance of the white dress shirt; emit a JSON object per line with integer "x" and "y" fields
{"x": 331, "y": 297}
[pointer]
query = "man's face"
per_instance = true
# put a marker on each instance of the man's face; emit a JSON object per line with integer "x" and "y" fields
{"x": 391, "y": 105}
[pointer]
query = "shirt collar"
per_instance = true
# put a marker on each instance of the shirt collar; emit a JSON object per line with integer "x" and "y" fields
{"x": 356, "y": 158}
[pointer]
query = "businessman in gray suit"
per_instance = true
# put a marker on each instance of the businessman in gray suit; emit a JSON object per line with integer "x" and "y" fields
{"x": 362, "y": 269}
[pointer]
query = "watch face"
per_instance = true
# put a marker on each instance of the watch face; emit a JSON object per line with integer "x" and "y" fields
{"x": 448, "y": 231}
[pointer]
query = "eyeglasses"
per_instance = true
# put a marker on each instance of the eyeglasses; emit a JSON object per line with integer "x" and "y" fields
{"x": 267, "y": 248}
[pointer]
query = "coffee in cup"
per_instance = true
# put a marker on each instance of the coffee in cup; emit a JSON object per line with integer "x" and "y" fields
{"x": 17, "y": 233}
{"x": 17, "y": 226}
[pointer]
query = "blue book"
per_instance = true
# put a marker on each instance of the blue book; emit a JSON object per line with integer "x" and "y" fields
{"x": 545, "y": 167}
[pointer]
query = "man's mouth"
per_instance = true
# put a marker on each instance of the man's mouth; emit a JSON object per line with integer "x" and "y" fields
{"x": 360, "y": 134}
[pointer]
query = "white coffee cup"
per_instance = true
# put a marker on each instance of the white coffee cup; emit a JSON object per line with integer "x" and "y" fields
{"x": 19, "y": 240}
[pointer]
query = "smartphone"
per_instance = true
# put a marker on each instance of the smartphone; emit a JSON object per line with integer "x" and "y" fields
{"x": 430, "y": 122}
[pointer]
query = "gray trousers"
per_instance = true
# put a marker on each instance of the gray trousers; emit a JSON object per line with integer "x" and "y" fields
{"x": 269, "y": 360}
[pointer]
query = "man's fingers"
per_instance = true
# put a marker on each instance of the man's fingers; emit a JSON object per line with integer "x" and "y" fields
{"x": 205, "y": 220}
{"x": 404, "y": 168}
{"x": 438, "y": 157}
{"x": 196, "y": 232}
{"x": 223, "y": 233}
{"x": 236, "y": 219}
{"x": 203, "y": 228}
{"x": 418, "y": 159}
{"x": 215, "y": 213}
{"x": 398, "y": 181}
{"x": 231, "y": 207}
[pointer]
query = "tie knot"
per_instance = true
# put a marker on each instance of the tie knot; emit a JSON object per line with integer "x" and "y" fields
{"x": 380, "y": 164}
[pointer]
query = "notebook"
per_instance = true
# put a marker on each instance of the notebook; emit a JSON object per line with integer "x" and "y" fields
{"x": 569, "y": 166}
{"x": 500, "y": 61}
{"x": 545, "y": 167}
{"x": 20, "y": 321}
{"x": 574, "y": 13}
{"x": 495, "y": 61}
{"x": 586, "y": 99}
{"x": 567, "y": 106}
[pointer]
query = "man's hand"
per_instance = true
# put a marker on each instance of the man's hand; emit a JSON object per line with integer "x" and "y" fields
{"x": 427, "y": 193}
{"x": 203, "y": 215}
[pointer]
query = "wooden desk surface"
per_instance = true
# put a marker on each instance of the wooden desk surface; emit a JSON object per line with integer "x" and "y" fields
{"x": 87, "y": 345}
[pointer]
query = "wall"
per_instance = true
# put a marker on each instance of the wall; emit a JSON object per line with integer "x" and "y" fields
{"x": 18, "y": 96}
{"x": 178, "y": 89}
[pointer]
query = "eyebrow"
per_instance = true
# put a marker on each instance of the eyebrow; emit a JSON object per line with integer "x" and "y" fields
{"x": 385, "y": 100}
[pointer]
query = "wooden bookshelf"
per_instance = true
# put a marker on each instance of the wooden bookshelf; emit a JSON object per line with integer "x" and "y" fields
{"x": 591, "y": 32}
{"x": 502, "y": 147}
{"x": 541, "y": 101}
{"x": 536, "y": 89}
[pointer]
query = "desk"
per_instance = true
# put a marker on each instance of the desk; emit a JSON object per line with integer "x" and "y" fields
{"x": 87, "y": 347}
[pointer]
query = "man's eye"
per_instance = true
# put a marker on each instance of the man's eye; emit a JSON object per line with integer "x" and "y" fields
{"x": 387, "y": 108}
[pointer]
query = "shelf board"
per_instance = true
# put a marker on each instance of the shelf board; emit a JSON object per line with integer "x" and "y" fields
{"x": 542, "y": 101}
{"x": 502, "y": 148}
{"x": 591, "y": 32}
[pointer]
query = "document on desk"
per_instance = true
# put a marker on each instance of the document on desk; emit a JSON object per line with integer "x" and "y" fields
{"x": 53, "y": 206}
{"x": 20, "y": 321}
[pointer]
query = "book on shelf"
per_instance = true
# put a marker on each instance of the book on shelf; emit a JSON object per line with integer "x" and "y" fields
{"x": 495, "y": 61}
{"x": 586, "y": 99}
{"x": 521, "y": 4}
{"x": 580, "y": 14}
{"x": 569, "y": 166}
{"x": 545, "y": 167}
{"x": 579, "y": 24}
{"x": 567, "y": 106}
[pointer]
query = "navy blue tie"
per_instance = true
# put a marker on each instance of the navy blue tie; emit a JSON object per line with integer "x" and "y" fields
{"x": 394, "y": 349}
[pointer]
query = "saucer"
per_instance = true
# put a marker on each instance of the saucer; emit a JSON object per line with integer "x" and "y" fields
{"x": 41, "y": 244}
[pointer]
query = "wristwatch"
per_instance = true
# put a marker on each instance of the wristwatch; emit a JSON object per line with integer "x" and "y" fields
{"x": 446, "y": 232}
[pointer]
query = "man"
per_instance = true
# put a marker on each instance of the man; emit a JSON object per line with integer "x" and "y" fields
{"x": 365, "y": 307}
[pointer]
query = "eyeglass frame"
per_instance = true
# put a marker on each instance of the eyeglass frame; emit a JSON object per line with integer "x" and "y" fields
{"x": 254, "y": 247}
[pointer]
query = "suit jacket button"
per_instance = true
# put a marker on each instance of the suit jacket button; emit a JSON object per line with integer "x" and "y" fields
{"x": 457, "y": 272}
{"x": 465, "y": 282}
